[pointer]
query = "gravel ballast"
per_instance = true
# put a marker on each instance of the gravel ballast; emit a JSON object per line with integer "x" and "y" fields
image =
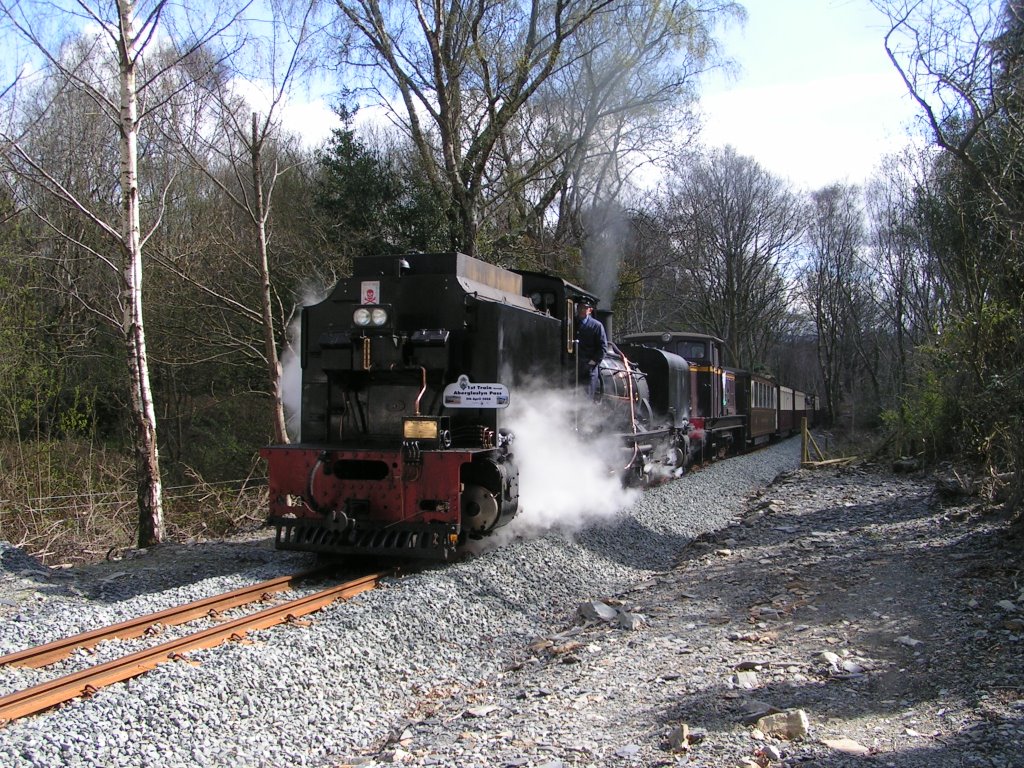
{"x": 330, "y": 693}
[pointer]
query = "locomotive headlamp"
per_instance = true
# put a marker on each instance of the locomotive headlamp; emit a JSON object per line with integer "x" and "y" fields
{"x": 372, "y": 316}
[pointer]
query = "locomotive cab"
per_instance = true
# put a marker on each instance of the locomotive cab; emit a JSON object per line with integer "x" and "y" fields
{"x": 719, "y": 424}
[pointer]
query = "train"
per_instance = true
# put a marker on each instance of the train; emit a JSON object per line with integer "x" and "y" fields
{"x": 732, "y": 410}
{"x": 408, "y": 369}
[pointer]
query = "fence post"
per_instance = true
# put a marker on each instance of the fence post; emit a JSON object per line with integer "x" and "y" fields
{"x": 804, "y": 458}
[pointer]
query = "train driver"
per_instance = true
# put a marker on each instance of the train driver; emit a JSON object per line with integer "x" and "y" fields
{"x": 592, "y": 343}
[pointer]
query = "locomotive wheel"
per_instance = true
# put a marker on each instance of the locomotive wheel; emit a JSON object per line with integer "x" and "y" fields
{"x": 675, "y": 458}
{"x": 480, "y": 510}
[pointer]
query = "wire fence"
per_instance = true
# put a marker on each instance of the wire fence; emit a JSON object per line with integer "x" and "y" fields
{"x": 67, "y": 528}
{"x": 123, "y": 496}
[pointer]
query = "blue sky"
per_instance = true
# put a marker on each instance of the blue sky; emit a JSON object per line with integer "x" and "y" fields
{"x": 816, "y": 100}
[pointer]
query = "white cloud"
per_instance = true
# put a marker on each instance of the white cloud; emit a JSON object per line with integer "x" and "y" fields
{"x": 312, "y": 120}
{"x": 817, "y": 100}
{"x": 814, "y": 132}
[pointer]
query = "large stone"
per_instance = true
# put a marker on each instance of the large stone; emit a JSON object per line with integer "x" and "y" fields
{"x": 772, "y": 753}
{"x": 679, "y": 738}
{"x": 746, "y": 679}
{"x": 755, "y": 709}
{"x": 832, "y": 659}
{"x": 791, "y": 724}
{"x": 597, "y": 610}
{"x": 847, "y": 746}
{"x": 908, "y": 641}
{"x": 631, "y": 621}
{"x": 481, "y": 711}
{"x": 1008, "y": 606}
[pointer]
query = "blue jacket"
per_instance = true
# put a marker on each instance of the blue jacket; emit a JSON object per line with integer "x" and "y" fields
{"x": 593, "y": 343}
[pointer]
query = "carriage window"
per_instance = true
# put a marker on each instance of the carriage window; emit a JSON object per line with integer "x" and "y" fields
{"x": 763, "y": 395}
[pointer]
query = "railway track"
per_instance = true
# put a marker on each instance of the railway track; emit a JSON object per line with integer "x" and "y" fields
{"x": 88, "y": 681}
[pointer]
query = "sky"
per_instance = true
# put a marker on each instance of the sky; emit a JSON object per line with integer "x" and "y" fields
{"x": 816, "y": 99}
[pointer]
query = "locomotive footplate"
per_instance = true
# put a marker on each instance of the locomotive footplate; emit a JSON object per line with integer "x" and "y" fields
{"x": 436, "y": 541}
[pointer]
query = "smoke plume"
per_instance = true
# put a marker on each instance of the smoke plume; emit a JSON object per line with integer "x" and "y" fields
{"x": 607, "y": 232}
{"x": 291, "y": 365}
{"x": 569, "y": 473}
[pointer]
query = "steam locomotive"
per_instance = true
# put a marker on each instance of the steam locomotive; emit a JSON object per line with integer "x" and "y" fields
{"x": 408, "y": 369}
{"x": 732, "y": 410}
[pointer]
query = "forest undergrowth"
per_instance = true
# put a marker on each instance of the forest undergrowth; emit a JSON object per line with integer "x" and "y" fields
{"x": 68, "y": 503}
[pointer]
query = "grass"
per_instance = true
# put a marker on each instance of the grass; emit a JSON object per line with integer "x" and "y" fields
{"x": 66, "y": 503}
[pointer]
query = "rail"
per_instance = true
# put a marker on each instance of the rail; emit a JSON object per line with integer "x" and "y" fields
{"x": 42, "y": 655}
{"x": 86, "y": 682}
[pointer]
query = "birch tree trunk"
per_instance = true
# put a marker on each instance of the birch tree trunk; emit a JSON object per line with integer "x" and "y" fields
{"x": 266, "y": 299}
{"x": 150, "y": 494}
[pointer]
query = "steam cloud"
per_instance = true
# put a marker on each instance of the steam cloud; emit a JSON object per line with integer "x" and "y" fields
{"x": 291, "y": 382}
{"x": 291, "y": 367}
{"x": 567, "y": 478}
{"x": 607, "y": 229}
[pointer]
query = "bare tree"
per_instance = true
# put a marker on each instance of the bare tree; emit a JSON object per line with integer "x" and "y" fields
{"x": 113, "y": 74}
{"x": 240, "y": 150}
{"x": 833, "y": 284}
{"x": 909, "y": 281}
{"x": 465, "y": 73}
{"x": 960, "y": 61}
{"x": 734, "y": 227}
{"x": 622, "y": 101}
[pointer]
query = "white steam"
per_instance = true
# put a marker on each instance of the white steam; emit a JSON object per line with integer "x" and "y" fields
{"x": 607, "y": 237}
{"x": 291, "y": 382}
{"x": 291, "y": 366}
{"x": 570, "y": 476}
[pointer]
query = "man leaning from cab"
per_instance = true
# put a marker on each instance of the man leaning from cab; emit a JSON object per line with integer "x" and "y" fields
{"x": 592, "y": 343}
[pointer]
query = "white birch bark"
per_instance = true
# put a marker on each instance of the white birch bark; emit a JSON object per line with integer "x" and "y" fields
{"x": 150, "y": 495}
{"x": 266, "y": 300}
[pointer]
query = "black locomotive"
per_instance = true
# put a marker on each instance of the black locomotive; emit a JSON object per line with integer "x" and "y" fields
{"x": 408, "y": 368}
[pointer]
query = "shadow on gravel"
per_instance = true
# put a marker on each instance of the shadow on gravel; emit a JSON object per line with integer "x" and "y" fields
{"x": 164, "y": 567}
{"x": 628, "y": 542}
{"x": 905, "y": 588}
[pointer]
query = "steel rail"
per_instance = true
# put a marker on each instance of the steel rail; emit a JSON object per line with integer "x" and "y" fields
{"x": 40, "y": 656}
{"x": 88, "y": 681}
